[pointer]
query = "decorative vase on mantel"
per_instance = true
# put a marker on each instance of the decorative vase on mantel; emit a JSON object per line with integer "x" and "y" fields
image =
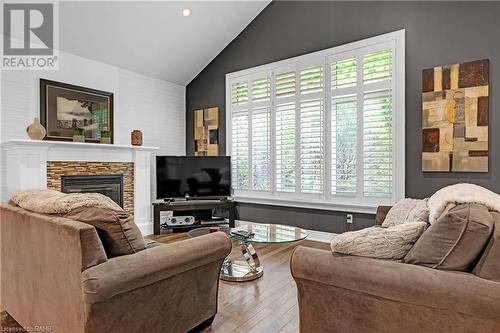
{"x": 136, "y": 138}
{"x": 36, "y": 131}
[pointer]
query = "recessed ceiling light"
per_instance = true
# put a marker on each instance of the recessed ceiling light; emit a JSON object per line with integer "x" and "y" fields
{"x": 186, "y": 12}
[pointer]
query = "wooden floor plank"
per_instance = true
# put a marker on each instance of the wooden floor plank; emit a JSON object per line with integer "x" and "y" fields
{"x": 265, "y": 305}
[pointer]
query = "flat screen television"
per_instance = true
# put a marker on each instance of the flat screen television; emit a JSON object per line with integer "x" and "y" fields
{"x": 196, "y": 176}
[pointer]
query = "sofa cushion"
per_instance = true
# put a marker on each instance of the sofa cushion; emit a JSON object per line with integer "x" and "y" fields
{"x": 382, "y": 243}
{"x": 150, "y": 243}
{"x": 407, "y": 210}
{"x": 488, "y": 266}
{"x": 117, "y": 230}
{"x": 455, "y": 240}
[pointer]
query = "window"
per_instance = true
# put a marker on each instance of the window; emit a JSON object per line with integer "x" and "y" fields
{"x": 320, "y": 130}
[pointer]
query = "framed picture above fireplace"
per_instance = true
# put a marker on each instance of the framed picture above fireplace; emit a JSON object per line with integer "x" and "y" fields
{"x": 64, "y": 107}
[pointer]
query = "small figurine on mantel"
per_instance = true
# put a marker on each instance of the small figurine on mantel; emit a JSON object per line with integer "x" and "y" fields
{"x": 136, "y": 138}
{"x": 35, "y": 130}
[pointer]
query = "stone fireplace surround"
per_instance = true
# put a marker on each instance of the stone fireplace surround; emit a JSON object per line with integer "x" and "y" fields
{"x": 57, "y": 169}
{"x": 40, "y": 164}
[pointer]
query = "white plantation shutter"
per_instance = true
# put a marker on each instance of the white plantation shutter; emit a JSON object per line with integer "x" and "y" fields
{"x": 311, "y": 79}
{"x": 377, "y": 66}
{"x": 239, "y": 153}
{"x": 311, "y": 146}
{"x": 377, "y": 144}
{"x": 320, "y": 128}
{"x": 377, "y": 124}
{"x": 285, "y": 147}
{"x": 261, "y": 89}
{"x": 343, "y": 73}
{"x": 239, "y": 93}
{"x": 250, "y": 134}
{"x": 311, "y": 130}
{"x": 285, "y": 84}
{"x": 344, "y": 145}
{"x": 261, "y": 149}
{"x": 344, "y": 126}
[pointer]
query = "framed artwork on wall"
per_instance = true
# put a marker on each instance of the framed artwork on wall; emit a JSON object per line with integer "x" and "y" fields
{"x": 65, "y": 107}
{"x": 455, "y": 106}
{"x": 206, "y": 132}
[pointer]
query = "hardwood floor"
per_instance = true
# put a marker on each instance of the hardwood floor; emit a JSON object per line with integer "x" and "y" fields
{"x": 268, "y": 304}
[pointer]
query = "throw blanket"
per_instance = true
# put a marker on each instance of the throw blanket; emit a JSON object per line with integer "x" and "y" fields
{"x": 461, "y": 193}
{"x": 55, "y": 202}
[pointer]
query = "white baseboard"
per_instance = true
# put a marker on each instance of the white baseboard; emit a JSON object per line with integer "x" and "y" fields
{"x": 145, "y": 228}
{"x": 319, "y": 236}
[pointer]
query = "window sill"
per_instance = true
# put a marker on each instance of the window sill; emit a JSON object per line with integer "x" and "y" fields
{"x": 341, "y": 207}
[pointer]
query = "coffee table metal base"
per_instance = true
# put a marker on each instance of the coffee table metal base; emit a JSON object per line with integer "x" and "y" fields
{"x": 239, "y": 271}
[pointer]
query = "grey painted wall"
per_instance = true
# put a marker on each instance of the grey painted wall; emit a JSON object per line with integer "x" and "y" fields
{"x": 437, "y": 33}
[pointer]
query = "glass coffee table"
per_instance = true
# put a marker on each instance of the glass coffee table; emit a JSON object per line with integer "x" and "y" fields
{"x": 250, "y": 268}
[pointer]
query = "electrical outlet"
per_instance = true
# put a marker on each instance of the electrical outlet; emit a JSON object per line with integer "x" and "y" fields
{"x": 350, "y": 219}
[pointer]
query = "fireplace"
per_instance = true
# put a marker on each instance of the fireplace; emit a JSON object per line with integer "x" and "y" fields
{"x": 109, "y": 185}
{"x": 57, "y": 170}
{"x": 41, "y": 164}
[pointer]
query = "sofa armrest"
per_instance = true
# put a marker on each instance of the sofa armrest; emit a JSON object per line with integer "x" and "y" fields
{"x": 381, "y": 214}
{"x": 121, "y": 274}
{"x": 405, "y": 283}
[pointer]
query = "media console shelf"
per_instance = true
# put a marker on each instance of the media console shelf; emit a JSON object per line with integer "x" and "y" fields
{"x": 193, "y": 206}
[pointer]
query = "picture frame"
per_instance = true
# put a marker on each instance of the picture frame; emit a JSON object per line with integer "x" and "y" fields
{"x": 64, "y": 107}
{"x": 455, "y": 117}
{"x": 206, "y": 132}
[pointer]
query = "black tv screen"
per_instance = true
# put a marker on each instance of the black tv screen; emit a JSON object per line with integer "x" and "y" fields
{"x": 197, "y": 176}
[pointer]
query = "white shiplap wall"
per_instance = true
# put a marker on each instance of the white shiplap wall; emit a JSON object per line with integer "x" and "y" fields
{"x": 154, "y": 106}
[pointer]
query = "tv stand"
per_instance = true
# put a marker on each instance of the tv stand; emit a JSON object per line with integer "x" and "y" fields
{"x": 190, "y": 207}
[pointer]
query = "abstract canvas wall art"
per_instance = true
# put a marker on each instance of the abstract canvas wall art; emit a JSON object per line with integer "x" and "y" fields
{"x": 206, "y": 132}
{"x": 455, "y": 117}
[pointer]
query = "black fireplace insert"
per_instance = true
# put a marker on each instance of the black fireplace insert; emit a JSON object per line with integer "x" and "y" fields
{"x": 109, "y": 185}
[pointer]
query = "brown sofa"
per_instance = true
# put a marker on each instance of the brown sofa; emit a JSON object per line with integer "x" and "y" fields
{"x": 56, "y": 276}
{"x": 338, "y": 293}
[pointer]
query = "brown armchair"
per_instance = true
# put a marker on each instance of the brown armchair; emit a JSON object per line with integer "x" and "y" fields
{"x": 55, "y": 274}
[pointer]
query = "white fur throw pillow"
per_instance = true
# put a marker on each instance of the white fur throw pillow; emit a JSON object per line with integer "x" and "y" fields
{"x": 407, "y": 210}
{"x": 55, "y": 202}
{"x": 381, "y": 243}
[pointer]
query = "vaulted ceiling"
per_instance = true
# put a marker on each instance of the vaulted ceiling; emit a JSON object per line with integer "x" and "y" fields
{"x": 154, "y": 38}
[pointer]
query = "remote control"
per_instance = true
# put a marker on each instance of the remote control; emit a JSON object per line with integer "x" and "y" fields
{"x": 243, "y": 233}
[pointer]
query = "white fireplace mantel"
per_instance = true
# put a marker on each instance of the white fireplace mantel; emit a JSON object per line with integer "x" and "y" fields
{"x": 26, "y": 167}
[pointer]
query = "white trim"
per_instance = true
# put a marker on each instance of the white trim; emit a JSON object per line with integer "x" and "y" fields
{"x": 320, "y": 236}
{"x": 146, "y": 228}
{"x": 308, "y": 58}
{"x": 399, "y": 117}
{"x": 27, "y": 162}
{"x": 327, "y": 132}
{"x": 340, "y": 207}
{"x": 45, "y": 144}
{"x": 394, "y": 41}
{"x": 272, "y": 138}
